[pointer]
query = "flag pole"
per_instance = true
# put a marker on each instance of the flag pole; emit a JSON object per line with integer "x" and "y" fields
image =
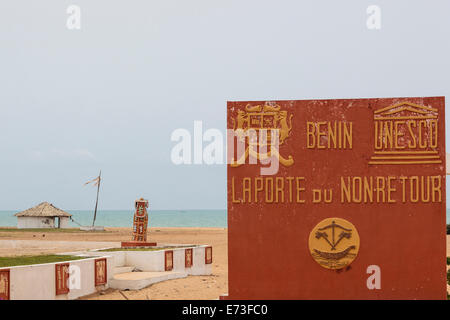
{"x": 96, "y": 202}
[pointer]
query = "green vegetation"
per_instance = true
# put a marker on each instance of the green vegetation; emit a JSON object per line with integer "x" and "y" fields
{"x": 448, "y": 229}
{"x": 26, "y": 260}
{"x": 448, "y": 277}
{"x": 144, "y": 249}
{"x": 46, "y": 230}
{"x": 448, "y": 261}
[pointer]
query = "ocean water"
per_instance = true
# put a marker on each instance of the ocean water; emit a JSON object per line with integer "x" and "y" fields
{"x": 157, "y": 218}
{"x": 124, "y": 218}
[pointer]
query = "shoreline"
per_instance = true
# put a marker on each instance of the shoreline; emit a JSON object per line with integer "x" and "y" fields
{"x": 122, "y": 218}
{"x": 190, "y": 288}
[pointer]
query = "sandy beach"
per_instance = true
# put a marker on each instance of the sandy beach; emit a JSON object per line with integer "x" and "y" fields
{"x": 192, "y": 287}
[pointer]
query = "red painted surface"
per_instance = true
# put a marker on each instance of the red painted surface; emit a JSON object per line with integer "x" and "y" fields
{"x": 188, "y": 258}
{"x": 101, "y": 271}
{"x": 62, "y": 278}
{"x": 140, "y": 221}
{"x": 168, "y": 260}
{"x": 208, "y": 255}
{"x": 268, "y": 249}
{"x": 5, "y": 284}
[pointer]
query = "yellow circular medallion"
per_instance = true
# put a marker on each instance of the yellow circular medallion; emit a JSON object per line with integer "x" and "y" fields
{"x": 334, "y": 243}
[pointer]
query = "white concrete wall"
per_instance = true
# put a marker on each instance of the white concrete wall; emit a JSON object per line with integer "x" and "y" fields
{"x": 143, "y": 260}
{"x": 87, "y": 268}
{"x": 199, "y": 267}
{"x": 37, "y": 282}
{"x": 146, "y": 260}
{"x": 179, "y": 260}
{"x": 152, "y": 261}
{"x": 65, "y": 222}
{"x": 117, "y": 258}
{"x": 35, "y": 222}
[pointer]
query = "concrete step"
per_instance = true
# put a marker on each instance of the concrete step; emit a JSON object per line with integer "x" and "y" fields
{"x": 123, "y": 269}
{"x": 140, "y": 280}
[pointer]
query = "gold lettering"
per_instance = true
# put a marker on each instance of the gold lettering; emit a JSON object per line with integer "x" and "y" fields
{"x": 329, "y": 198}
{"x": 233, "y": 193}
{"x": 368, "y": 189}
{"x": 358, "y": 198}
{"x": 310, "y": 137}
{"x": 378, "y": 135}
{"x": 413, "y": 137}
{"x": 414, "y": 197}
{"x": 339, "y": 135}
{"x": 348, "y": 134}
{"x": 388, "y": 134}
{"x": 425, "y": 197}
{"x": 258, "y": 187}
{"x": 436, "y": 188}
{"x": 269, "y": 199}
{"x": 422, "y": 123}
{"x": 300, "y": 189}
{"x": 403, "y": 181}
{"x": 246, "y": 190}
{"x": 433, "y": 132}
{"x": 317, "y": 195}
{"x": 279, "y": 188}
{"x": 390, "y": 189}
{"x": 320, "y": 134}
{"x": 345, "y": 190}
{"x": 331, "y": 135}
{"x": 290, "y": 179}
{"x": 398, "y": 134}
{"x": 380, "y": 188}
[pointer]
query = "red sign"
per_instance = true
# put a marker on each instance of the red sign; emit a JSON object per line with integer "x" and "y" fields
{"x": 62, "y": 278}
{"x": 337, "y": 199}
{"x": 4, "y": 285}
{"x": 101, "y": 272}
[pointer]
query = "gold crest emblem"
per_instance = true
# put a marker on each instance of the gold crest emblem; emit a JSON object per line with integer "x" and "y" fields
{"x": 262, "y": 117}
{"x": 334, "y": 243}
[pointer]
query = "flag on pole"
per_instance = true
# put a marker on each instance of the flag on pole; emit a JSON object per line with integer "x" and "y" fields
{"x": 96, "y": 180}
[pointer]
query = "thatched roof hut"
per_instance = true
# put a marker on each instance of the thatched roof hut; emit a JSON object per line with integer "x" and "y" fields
{"x": 43, "y": 216}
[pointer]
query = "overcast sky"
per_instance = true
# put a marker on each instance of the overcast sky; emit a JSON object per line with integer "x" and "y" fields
{"x": 108, "y": 96}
